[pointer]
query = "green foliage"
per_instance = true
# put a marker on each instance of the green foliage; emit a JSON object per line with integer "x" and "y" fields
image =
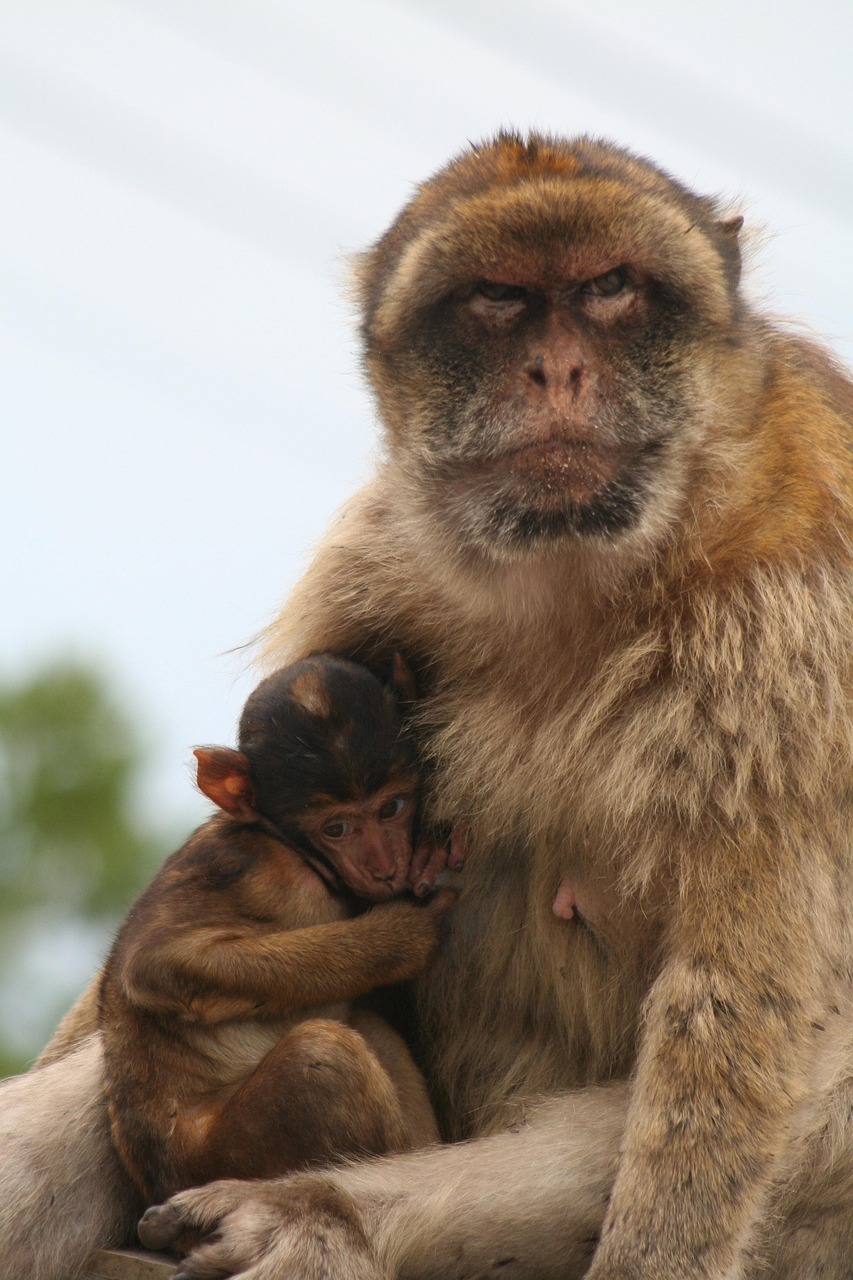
{"x": 10, "y": 1063}
{"x": 75, "y": 847}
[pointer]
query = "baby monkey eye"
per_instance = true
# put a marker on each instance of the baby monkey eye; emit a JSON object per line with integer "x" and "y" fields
{"x": 391, "y": 808}
{"x": 337, "y": 830}
{"x": 495, "y": 292}
{"x": 607, "y": 285}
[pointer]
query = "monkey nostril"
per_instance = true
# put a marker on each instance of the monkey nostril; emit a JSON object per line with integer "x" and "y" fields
{"x": 575, "y": 376}
{"x": 536, "y": 372}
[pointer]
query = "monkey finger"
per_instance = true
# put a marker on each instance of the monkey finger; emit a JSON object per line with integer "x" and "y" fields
{"x": 301, "y": 1227}
{"x": 458, "y": 846}
{"x": 442, "y": 848}
{"x": 432, "y": 868}
{"x": 196, "y": 1212}
{"x": 205, "y": 1263}
{"x": 441, "y": 902}
{"x": 422, "y": 853}
{"x": 215, "y": 1261}
{"x": 160, "y": 1226}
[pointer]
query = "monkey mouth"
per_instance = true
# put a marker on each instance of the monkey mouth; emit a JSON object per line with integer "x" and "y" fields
{"x": 370, "y": 889}
{"x": 546, "y": 490}
{"x": 543, "y": 491}
{"x": 362, "y": 886}
{"x": 560, "y": 468}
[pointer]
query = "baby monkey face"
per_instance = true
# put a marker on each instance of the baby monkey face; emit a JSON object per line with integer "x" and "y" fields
{"x": 365, "y": 844}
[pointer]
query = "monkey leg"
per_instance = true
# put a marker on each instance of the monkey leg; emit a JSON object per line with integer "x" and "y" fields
{"x": 535, "y": 1196}
{"x": 80, "y": 1021}
{"x": 527, "y": 1203}
{"x": 807, "y": 1229}
{"x": 320, "y": 1093}
{"x": 409, "y": 1084}
{"x": 63, "y": 1192}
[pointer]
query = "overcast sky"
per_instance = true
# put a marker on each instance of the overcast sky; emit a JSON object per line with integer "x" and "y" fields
{"x": 181, "y": 183}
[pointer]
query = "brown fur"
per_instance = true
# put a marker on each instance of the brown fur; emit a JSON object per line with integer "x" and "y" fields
{"x": 224, "y": 1010}
{"x": 659, "y": 714}
{"x": 663, "y": 715}
{"x": 230, "y": 1048}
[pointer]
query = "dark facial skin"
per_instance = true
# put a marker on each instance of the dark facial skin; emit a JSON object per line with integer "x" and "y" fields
{"x": 553, "y": 336}
{"x": 556, "y": 434}
{"x": 368, "y": 844}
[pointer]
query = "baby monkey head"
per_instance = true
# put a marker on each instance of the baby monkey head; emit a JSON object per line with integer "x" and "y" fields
{"x": 325, "y": 763}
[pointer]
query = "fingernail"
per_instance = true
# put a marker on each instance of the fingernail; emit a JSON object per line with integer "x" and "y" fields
{"x": 423, "y": 888}
{"x": 456, "y": 864}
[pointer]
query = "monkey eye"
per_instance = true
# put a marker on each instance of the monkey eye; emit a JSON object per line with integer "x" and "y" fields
{"x": 494, "y": 292}
{"x": 607, "y": 285}
{"x": 337, "y": 830}
{"x": 391, "y": 808}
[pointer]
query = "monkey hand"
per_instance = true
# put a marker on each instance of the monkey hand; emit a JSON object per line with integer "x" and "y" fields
{"x": 437, "y": 849}
{"x": 299, "y": 1226}
{"x": 409, "y": 932}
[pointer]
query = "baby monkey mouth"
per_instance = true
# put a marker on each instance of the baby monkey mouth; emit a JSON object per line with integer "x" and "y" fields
{"x": 368, "y": 888}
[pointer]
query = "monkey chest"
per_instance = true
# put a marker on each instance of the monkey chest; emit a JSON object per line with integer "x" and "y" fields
{"x": 240, "y": 1046}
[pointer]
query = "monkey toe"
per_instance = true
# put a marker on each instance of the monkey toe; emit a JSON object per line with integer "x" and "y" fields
{"x": 160, "y": 1226}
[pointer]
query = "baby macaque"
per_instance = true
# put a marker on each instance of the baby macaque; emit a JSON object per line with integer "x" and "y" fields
{"x": 230, "y": 1044}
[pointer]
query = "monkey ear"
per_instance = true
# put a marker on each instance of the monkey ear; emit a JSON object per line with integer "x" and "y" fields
{"x": 731, "y": 226}
{"x": 223, "y": 776}
{"x": 403, "y": 679}
{"x": 730, "y": 246}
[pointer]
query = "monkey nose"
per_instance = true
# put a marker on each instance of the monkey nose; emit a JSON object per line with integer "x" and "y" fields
{"x": 556, "y": 377}
{"x": 536, "y": 371}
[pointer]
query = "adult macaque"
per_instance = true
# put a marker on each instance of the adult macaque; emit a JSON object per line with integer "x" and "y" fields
{"x": 613, "y": 528}
{"x": 229, "y": 1045}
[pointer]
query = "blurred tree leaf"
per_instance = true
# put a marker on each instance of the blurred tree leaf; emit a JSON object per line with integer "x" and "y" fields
{"x": 74, "y": 844}
{"x": 68, "y": 764}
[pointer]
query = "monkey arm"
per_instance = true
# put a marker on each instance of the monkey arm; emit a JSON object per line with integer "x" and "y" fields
{"x": 727, "y": 1072}
{"x": 210, "y": 974}
{"x": 526, "y": 1203}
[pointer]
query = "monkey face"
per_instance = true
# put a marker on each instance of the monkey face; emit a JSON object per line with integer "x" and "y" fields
{"x": 364, "y": 846}
{"x": 327, "y": 765}
{"x": 540, "y": 328}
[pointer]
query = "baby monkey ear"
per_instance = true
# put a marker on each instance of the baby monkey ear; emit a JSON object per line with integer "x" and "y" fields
{"x": 223, "y": 776}
{"x": 402, "y": 680}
